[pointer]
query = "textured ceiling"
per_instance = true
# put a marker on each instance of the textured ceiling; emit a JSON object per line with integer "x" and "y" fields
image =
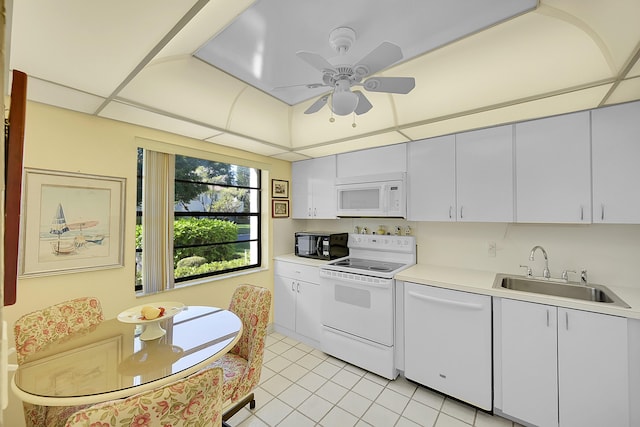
{"x": 134, "y": 62}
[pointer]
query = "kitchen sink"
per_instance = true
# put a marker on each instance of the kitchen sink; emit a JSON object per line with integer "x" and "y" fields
{"x": 564, "y": 289}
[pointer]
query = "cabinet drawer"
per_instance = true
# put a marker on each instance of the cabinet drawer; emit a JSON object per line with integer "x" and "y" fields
{"x": 307, "y": 273}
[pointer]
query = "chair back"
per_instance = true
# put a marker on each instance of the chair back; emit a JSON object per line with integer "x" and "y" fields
{"x": 195, "y": 401}
{"x": 35, "y": 330}
{"x": 251, "y": 304}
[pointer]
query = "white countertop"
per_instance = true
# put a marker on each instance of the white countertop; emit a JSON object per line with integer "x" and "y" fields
{"x": 301, "y": 260}
{"x": 481, "y": 282}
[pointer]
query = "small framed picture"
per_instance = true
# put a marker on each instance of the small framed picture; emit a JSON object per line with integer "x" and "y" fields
{"x": 280, "y": 209}
{"x": 279, "y": 189}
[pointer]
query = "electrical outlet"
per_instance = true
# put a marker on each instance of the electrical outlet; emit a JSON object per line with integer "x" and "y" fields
{"x": 491, "y": 251}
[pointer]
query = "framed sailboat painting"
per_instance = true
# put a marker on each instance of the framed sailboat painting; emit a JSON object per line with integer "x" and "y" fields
{"x": 71, "y": 222}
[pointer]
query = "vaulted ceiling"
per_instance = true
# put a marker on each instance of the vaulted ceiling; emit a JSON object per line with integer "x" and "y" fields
{"x": 476, "y": 64}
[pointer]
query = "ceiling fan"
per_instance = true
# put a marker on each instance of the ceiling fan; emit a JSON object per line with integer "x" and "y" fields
{"x": 343, "y": 77}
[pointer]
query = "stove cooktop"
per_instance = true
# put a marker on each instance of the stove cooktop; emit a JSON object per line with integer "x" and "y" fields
{"x": 366, "y": 265}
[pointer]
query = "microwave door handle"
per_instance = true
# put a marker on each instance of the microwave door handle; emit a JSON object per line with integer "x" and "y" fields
{"x": 318, "y": 246}
{"x": 385, "y": 197}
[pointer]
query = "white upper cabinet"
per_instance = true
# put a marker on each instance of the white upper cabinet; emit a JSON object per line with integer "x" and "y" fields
{"x": 431, "y": 179}
{"x": 464, "y": 177}
{"x": 392, "y": 158}
{"x": 616, "y": 155}
{"x": 553, "y": 169}
{"x": 484, "y": 175}
{"x": 313, "y": 193}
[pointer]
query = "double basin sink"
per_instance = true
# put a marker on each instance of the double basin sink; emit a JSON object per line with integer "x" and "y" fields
{"x": 559, "y": 288}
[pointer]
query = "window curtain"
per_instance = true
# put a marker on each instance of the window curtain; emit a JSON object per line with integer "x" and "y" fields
{"x": 157, "y": 221}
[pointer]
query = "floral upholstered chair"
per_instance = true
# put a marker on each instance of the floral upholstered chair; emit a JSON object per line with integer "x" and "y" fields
{"x": 195, "y": 401}
{"x": 243, "y": 363}
{"x": 36, "y": 330}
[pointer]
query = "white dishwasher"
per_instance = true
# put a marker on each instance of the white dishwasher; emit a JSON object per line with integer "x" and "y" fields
{"x": 448, "y": 342}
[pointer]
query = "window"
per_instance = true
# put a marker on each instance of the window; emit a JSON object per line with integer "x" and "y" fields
{"x": 195, "y": 218}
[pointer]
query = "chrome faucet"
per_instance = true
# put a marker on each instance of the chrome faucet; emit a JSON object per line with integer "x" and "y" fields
{"x": 545, "y": 273}
{"x": 583, "y": 277}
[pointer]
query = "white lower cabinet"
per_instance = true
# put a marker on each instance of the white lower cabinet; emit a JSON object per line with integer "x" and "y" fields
{"x": 447, "y": 343}
{"x": 560, "y": 367}
{"x": 296, "y": 301}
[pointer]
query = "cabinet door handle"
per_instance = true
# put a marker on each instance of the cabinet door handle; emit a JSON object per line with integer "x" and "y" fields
{"x": 581, "y": 213}
{"x": 461, "y": 216}
{"x": 309, "y": 214}
{"x": 298, "y": 287}
{"x": 450, "y": 208}
{"x": 315, "y": 211}
{"x": 602, "y": 211}
{"x": 292, "y": 286}
{"x": 566, "y": 319}
{"x": 547, "y": 318}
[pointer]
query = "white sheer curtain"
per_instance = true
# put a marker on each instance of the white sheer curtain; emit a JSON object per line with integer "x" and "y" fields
{"x": 157, "y": 221}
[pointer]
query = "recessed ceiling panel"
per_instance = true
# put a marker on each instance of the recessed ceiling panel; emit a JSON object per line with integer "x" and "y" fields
{"x": 260, "y": 46}
{"x": 627, "y": 90}
{"x": 247, "y": 144}
{"x": 547, "y": 106}
{"x": 88, "y": 45}
{"x": 61, "y": 96}
{"x": 135, "y": 115}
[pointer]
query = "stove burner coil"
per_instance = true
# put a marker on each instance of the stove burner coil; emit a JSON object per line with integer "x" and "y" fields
{"x": 379, "y": 268}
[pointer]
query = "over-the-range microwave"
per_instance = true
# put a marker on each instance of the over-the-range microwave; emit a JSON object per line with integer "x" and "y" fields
{"x": 375, "y": 196}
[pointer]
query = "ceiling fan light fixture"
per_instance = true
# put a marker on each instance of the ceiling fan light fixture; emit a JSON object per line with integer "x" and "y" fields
{"x": 344, "y": 103}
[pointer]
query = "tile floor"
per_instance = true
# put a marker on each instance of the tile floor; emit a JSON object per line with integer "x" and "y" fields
{"x": 301, "y": 386}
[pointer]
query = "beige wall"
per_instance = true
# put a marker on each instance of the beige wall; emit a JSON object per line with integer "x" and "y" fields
{"x": 67, "y": 141}
{"x": 610, "y": 253}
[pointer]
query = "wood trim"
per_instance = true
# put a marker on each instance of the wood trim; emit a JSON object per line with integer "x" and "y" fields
{"x": 14, "y": 149}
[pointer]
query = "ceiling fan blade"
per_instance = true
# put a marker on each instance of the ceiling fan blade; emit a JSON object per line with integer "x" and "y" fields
{"x": 379, "y": 58}
{"x": 316, "y": 106}
{"x": 306, "y": 85}
{"x": 390, "y": 84}
{"x": 363, "y": 103}
{"x": 316, "y": 61}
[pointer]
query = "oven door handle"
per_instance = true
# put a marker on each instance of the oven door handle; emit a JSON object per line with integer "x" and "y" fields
{"x": 376, "y": 282}
{"x": 467, "y": 305}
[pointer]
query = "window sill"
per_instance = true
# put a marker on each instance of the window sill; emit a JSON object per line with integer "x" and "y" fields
{"x": 207, "y": 280}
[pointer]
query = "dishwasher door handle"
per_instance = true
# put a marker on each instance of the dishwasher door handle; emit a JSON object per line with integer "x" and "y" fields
{"x": 466, "y": 305}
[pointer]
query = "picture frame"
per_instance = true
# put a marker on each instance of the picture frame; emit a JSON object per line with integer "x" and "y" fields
{"x": 280, "y": 208}
{"x": 71, "y": 222}
{"x": 279, "y": 189}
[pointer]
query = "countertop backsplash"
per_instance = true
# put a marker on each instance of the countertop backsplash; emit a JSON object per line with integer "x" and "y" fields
{"x": 610, "y": 253}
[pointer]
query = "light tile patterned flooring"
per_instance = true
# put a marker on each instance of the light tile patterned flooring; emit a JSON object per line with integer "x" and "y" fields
{"x": 300, "y": 386}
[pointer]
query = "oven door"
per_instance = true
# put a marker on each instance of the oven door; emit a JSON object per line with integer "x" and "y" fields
{"x": 359, "y": 305}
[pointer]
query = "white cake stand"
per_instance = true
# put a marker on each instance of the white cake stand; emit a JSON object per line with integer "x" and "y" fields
{"x": 152, "y": 329}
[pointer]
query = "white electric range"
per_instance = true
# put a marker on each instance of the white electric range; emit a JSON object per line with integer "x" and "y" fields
{"x": 358, "y": 301}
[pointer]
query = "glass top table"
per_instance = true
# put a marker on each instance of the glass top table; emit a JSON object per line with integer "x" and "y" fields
{"x": 110, "y": 361}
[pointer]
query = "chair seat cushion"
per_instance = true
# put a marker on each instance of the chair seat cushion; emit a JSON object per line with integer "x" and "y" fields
{"x": 233, "y": 367}
{"x": 57, "y": 415}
